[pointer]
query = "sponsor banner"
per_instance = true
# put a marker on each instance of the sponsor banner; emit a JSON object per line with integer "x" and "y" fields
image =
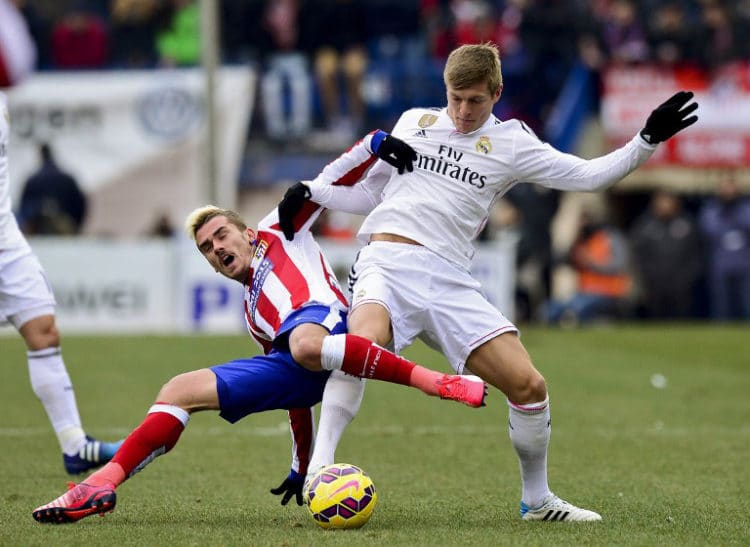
{"x": 126, "y": 135}
{"x": 720, "y": 138}
{"x": 103, "y": 286}
{"x": 163, "y": 286}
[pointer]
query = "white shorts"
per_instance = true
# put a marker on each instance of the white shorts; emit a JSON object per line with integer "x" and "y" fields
{"x": 426, "y": 297}
{"x": 25, "y": 292}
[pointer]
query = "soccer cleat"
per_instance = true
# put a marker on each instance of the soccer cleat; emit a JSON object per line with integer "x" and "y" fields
{"x": 92, "y": 454}
{"x": 556, "y": 509}
{"x": 469, "y": 390}
{"x": 81, "y": 500}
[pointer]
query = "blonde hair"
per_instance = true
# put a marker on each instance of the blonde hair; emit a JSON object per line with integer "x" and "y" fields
{"x": 198, "y": 217}
{"x": 472, "y": 64}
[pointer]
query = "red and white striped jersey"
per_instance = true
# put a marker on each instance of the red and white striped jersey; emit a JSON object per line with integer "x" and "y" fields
{"x": 287, "y": 275}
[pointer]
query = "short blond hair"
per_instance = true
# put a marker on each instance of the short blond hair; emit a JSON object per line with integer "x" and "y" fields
{"x": 472, "y": 64}
{"x": 198, "y": 217}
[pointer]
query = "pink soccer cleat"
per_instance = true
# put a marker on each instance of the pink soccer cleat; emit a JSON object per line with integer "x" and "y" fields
{"x": 469, "y": 390}
{"x": 81, "y": 500}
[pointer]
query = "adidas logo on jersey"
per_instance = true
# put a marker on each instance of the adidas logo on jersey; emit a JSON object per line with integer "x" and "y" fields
{"x": 421, "y": 133}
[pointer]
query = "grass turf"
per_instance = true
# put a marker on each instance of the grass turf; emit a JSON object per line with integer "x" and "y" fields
{"x": 664, "y": 466}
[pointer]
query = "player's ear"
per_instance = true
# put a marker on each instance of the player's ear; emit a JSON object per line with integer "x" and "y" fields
{"x": 496, "y": 95}
{"x": 251, "y": 235}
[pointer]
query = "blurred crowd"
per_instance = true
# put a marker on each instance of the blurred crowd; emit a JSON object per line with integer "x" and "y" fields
{"x": 322, "y": 50}
{"x": 674, "y": 258}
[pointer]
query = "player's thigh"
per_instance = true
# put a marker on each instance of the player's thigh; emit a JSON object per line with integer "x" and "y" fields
{"x": 460, "y": 319}
{"x": 504, "y": 363}
{"x": 373, "y": 322}
{"x": 23, "y": 289}
{"x": 191, "y": 391}
{"x": 391, "y": 276}
{"x": 266, "y": 382}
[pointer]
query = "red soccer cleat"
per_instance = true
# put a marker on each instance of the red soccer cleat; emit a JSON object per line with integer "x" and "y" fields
{"x": 81, "y": 500}
{"x": 469, "y": 390}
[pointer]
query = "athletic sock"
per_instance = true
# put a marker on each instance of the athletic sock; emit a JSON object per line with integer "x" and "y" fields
{"x": 359, "y": 356}
{"x": 156, "y": 435}
{"x": 51, "y": 384}
{"x": 529, "y": 427}
{"x": 341, "y": 400}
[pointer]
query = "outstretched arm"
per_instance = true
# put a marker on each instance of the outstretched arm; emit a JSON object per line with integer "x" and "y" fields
{"x": 337, "y": 186}
{"x": 540, "y": 163}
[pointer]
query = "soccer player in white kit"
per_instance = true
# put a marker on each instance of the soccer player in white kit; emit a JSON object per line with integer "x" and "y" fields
{"x": 413, "y": 279}
{"x": 26, "y": 299}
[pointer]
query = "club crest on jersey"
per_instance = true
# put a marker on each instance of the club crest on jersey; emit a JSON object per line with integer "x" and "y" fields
{"x": 261, "y": 248}
{"x": 483, "y": 145}
{"x": 427, "y": 120}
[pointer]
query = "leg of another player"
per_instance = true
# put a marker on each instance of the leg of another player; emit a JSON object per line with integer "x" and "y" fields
{"x": 505, "y": 363}
{"x": 313, "y": 347}
{"x": 156, "y": 435}
{"x": 342, "y": 398}
{"x": 51, "y": 384}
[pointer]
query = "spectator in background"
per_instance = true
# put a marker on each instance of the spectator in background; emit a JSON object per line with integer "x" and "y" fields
{"x": 719, "y": 37}
{"x": 51, "y": 202}
{"x": 536, "y": 207}
{"x": 340, "y": 52}
{"x": 178, "y": 42}
{"x": 725, "y": 223}
{"x": 162, "y": 226}
{"x": 599, "y": 256}
{"x": 668, "y": 256}
{"x": 672, "y": 36}
{"x": 80, "y": 40}
{"x": 285, "y": 65}
{"x": 623, "y": 34}
{"x": 133, "y": 31}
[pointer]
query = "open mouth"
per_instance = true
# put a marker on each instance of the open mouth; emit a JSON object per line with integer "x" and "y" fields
{"x": 227, "y": 260}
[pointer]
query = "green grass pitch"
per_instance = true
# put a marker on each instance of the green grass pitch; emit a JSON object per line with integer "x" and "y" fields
{"x": 664, "y": 465}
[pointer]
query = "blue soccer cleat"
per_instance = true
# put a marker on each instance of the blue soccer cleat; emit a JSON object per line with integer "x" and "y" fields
{"x": 92, "y": 454}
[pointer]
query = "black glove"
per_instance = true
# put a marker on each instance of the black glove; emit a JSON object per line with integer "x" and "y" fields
{"x": 292, "y": 486}
{"x": 669, "y": 118}
{"x": 397, "y": 153}
{"x": 294, "y": 199}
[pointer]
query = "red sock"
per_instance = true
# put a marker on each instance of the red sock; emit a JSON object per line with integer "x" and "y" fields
{"x": 365, "y": 359}
{"x": 156, "y": 435}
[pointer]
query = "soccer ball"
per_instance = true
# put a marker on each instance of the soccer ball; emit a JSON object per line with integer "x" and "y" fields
{"x": 341, "y": 496}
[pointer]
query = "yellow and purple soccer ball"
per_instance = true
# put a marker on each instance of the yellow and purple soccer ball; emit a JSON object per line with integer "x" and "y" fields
{"x": 341, "y": 496}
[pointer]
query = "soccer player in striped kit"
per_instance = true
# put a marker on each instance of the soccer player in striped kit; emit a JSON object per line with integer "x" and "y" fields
{"x": 413, "y": 278}
{"x": 296, "y": 312}
{"x": 26, "y": 299}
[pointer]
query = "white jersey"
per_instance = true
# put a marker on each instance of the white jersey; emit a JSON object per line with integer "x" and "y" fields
{"x": 287, "y": 275}
{"x": 10, "y": 235}
{"x": 445, "y": 202}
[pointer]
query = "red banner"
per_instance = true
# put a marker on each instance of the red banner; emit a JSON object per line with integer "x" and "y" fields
{"x": 720, "y": 138}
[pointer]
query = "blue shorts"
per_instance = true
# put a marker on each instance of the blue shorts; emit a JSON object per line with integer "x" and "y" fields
{"x": 274, "y": 381}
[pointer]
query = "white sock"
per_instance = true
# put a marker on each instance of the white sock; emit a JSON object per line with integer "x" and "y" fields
{"x": 51, "y": 383}
{"x": 341, "y": 400}
{"x": 529, "y": 434}
{"x": 332, "y": 352}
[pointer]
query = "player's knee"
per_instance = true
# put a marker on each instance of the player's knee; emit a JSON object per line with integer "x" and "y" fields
{"x": 173, "y": 392}
{"x": 306, "y": 351}
{"x": 531, "y": 389}
{"x": 41, "y": 333}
